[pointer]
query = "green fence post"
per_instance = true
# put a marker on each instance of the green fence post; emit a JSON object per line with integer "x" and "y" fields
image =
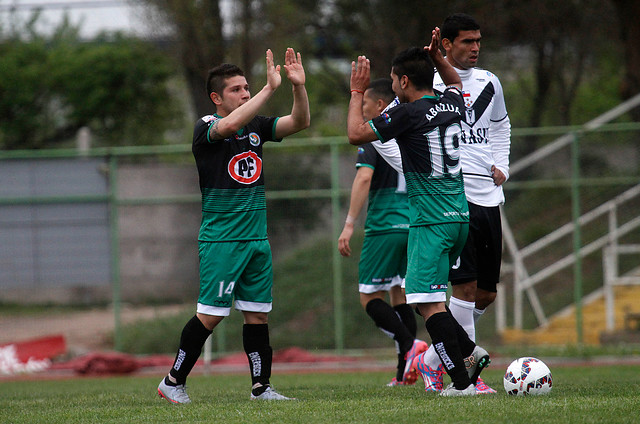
{"x": 338, "y": 312}
{"x": 115, "y": 251}
{"x": 577, "y": 238}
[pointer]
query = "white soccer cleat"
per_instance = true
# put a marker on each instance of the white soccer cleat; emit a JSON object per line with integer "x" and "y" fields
{"x": 452, "y": 391}
{"x": 476, "y": 362}
{"x": 394, "y": 382}
{"x": 174, "y": 394}
{"x": 270, "y": 394}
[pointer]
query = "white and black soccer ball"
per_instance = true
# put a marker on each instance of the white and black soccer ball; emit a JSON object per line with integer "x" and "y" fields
{"x": 527, "y": 376}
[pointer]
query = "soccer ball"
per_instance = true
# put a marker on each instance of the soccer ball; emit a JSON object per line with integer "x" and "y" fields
{"x": 528, "y": 376}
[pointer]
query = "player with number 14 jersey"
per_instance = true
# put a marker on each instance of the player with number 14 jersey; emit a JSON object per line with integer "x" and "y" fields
{"x": 231, "y": 180}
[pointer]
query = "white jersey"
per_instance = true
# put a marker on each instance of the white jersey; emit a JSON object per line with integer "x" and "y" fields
{"x": 389, "y": 150}
{"x": 486, "y": 134}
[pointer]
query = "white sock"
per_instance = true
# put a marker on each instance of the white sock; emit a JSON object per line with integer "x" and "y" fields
{"x": 462, "y": 311}
{"x": 431, "y": 358}
{"x": 477, "y": 313}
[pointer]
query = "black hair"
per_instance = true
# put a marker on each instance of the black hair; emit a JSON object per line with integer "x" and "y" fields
{"x": 217, "y": 76}
{"x": 416, "y": 64}
{"x": 455, "y": 23}
{"x": 381, "y": 89}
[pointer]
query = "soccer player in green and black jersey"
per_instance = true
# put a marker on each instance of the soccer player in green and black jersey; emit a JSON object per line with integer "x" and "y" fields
{"x": 235, "y": 257}
{"x": 427, "y": 129}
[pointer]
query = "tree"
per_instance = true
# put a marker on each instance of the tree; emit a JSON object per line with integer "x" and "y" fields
{"x": 50, "y": 87}
{"x": 565, "y": 40}
{"x": 197, "y": 28}
{"x": 628, "y": 12}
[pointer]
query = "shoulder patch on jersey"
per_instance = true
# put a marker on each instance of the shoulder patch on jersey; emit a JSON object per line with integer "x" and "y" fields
{"x": 254, "y": 139}
{"x": 208, "y": 118}
{"x": 360, "y": 150}
{"x": 386, "y": 117}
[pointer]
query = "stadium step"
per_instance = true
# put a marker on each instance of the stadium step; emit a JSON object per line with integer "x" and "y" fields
{"x": 561, "y": 328}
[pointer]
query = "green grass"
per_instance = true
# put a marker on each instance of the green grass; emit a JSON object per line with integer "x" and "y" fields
{"x": 580, "y": 395}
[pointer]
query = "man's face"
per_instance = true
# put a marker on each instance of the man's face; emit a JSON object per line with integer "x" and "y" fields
{"x": 463, "y": 52}
{"x": 235, "y": 93}
{"x": 370, "y": 107}
{"x": 397, "y": 86}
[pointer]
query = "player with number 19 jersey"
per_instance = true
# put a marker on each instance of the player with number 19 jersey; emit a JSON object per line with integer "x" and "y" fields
{"x": 430, "y": 156}
{"x": 231, "y": 180}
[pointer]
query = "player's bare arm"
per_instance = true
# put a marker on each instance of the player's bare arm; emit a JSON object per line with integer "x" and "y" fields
{"x": 359, "y": 195}
{"x": 300, "y": 117}
{"x": 245, "y": 112}
{"x": 449, "y": 75}
{"x": 358, "y": 130}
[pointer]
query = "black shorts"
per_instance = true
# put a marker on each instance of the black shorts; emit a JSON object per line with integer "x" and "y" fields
{"x": 481, "y": 257}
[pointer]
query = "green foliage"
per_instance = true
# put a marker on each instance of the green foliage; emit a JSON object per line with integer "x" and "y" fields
{"x": 50, "y": 87}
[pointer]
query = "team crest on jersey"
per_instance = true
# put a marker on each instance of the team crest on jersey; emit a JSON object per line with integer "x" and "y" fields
{"x": 386, "y": 117}
{"x": 467, "y": 99}
{"x": 471, "y": 116}
{"x": 254, "y": 139}
{"x": 245, "y": 168}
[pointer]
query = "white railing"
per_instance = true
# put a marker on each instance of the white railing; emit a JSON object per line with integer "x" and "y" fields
{"x": 524, "y": 283}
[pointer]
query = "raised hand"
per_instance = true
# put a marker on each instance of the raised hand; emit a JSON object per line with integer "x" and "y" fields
{"x": 293, "y": 67}
{"x": 434, "y": 47}
{"x": 360, "y": 74}
{"x": 273, "y": 72}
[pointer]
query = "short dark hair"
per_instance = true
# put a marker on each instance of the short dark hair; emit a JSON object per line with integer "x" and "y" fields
{"x": 382, "y": 89}
{"x": 217, "y": 76}
{"x": 416, "y": 64}
{"x": 455, "y": 23}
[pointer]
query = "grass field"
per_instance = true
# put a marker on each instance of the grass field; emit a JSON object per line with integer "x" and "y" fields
{"x": 601, "y": 394}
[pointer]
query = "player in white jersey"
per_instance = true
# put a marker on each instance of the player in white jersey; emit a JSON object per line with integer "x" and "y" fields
{"x": 484, "y": 153}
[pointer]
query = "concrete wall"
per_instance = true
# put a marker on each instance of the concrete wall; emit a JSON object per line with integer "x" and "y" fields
{"x": 158, "y": 250}
{"x": 158, "y": 242}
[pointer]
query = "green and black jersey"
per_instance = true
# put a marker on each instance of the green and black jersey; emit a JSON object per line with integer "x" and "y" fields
{"x": 388, "y": 208}
{"x": 234, "y": 206}
{"x": 428, "y": 134}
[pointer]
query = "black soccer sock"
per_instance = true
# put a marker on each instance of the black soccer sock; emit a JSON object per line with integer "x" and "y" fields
{"x": 466, "y": 344}
{"x": 255, "y": 339}
{"x": 402, "y": 362}
{"x": 441, "y": 328}
{"x": 194, "y": 334}
{"x": 386, "y": 318}
{"x": 407, "y": 317}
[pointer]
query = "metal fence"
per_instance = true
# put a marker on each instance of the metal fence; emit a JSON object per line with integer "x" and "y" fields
{"x": 129, "y": 202}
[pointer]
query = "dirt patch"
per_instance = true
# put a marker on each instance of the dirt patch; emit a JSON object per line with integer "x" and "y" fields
{"x": 84, "y": 331}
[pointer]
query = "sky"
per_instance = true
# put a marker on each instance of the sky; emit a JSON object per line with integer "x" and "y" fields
{"x": 93, "y": 16}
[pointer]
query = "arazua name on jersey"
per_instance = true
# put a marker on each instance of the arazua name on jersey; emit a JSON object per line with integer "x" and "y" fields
{"x": 441, "y": 107}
